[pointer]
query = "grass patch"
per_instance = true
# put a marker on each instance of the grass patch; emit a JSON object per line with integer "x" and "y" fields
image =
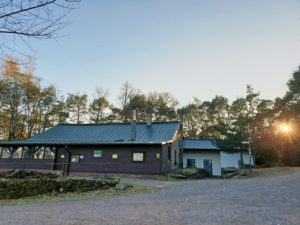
{"x": 189, "y": 170}
{"x": 265, "y": 172}
{"x": 135, "y": 189}
{"x": 273, "y": 171}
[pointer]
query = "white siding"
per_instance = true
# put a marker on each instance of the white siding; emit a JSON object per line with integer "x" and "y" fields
{"x": 200, "y": 156}
{"x": 231, "y": 159}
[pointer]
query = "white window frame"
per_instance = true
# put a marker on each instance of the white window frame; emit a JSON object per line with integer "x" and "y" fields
{"x": 136, "y": 157}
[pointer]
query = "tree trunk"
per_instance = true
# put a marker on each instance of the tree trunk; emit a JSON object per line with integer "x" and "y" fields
{"x": 78, "y": 114}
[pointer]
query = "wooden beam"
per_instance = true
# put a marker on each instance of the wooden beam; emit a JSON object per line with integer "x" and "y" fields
{"x": 22, "y": 152}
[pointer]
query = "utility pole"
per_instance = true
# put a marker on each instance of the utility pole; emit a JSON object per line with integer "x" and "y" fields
{"x": 249, "y": 151}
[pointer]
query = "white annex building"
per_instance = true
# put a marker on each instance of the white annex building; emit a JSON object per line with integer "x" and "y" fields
{"x": 203, "y": 153}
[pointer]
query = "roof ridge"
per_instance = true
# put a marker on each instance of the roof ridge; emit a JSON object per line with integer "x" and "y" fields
{"x": 200, "y": 139}
{"x": 112, "y": 123}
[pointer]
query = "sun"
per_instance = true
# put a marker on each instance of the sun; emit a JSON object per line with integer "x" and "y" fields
{"x": 285, "y": 128}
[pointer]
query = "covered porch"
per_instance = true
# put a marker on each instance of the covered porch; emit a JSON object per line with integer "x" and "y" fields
{"x": 18, "y": 155}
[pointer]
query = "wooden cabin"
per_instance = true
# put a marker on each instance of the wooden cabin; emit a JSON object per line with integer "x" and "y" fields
{"x": 125, "y": 148}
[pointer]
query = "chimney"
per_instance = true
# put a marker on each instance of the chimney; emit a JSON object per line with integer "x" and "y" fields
{"x": 133, "y": 126}
{"x": 149, "y": 119}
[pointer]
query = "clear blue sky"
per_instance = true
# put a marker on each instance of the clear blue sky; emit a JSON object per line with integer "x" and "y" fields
{"x": 190, "y": 48}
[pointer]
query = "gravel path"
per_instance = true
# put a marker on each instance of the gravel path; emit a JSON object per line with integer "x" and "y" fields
{"x": 266, "y": 199}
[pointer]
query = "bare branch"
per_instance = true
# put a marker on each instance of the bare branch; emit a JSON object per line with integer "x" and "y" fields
{"x": 27, "y": 19}
{"x": 28, "y": 9}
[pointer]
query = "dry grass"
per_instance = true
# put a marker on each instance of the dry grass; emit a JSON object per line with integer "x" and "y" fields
{"x": 274, "y": 171}
{"x": 135, "y": 189}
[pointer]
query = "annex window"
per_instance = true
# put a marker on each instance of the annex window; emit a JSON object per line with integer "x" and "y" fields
{"x": 138, "y": 157}
{"x": 169, "y": 153}
{"x": 190, "y": 163}
{"x": 75, "y": 158}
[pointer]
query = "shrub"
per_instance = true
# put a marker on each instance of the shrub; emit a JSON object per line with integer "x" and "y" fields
{"x": 19, "y": 188}
{"x": 191, "y": 173}
{"x": 267, "y": 156}
{"x": 26, "y": 174}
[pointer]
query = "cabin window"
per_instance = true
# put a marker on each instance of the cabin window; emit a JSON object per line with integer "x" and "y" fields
{"x": 39, "y": 154}
{"x": 169, "y": 153}
{"x": 6, "y": 153}
{"x": 138, "y": 157}
{"x": 18, "y": 153}
{"x": 27, "y": 153}
{"x": 175, "y": 156}
{"x": 75, "y": 158}
{"x": 49, "y": 153}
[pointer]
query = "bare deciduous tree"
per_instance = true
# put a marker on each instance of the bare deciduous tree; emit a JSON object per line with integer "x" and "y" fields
{"x": 32, "y": 19}
{"x": 127, "y": 92}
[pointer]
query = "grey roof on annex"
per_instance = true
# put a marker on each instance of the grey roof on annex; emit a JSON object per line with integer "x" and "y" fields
{"x": 199, "y": 144}
{"x": 109, "y": 133}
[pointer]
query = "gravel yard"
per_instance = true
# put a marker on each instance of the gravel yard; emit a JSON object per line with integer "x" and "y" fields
{"x": 271, "y": 197}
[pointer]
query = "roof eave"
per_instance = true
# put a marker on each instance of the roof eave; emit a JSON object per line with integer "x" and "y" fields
{"x": 74, "y": 144}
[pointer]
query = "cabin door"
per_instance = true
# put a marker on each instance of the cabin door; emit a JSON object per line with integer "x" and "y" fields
{"x": 59, "y": 159}
{"x": 208, "y": 166}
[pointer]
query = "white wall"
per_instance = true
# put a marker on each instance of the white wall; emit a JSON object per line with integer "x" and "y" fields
{"x": 200, "y": 156}
{"x": 231, "y": 159}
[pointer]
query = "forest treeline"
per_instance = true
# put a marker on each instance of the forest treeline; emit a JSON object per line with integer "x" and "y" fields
{"x": 28, "y": 108}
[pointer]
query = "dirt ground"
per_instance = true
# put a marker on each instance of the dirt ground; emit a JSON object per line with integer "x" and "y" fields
{"x": 272, "y": 196}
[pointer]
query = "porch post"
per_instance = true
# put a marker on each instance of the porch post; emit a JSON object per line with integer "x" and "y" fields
{"x": 22, "y": 154}
{"x": 11, "y": 150}
{"x": 54, "y": 150}
{"x": 66, "y": 165}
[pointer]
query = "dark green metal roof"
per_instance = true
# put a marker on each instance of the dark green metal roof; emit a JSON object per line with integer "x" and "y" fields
{"x": 200, "y": 144}
{"x": 110, "y": 133}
